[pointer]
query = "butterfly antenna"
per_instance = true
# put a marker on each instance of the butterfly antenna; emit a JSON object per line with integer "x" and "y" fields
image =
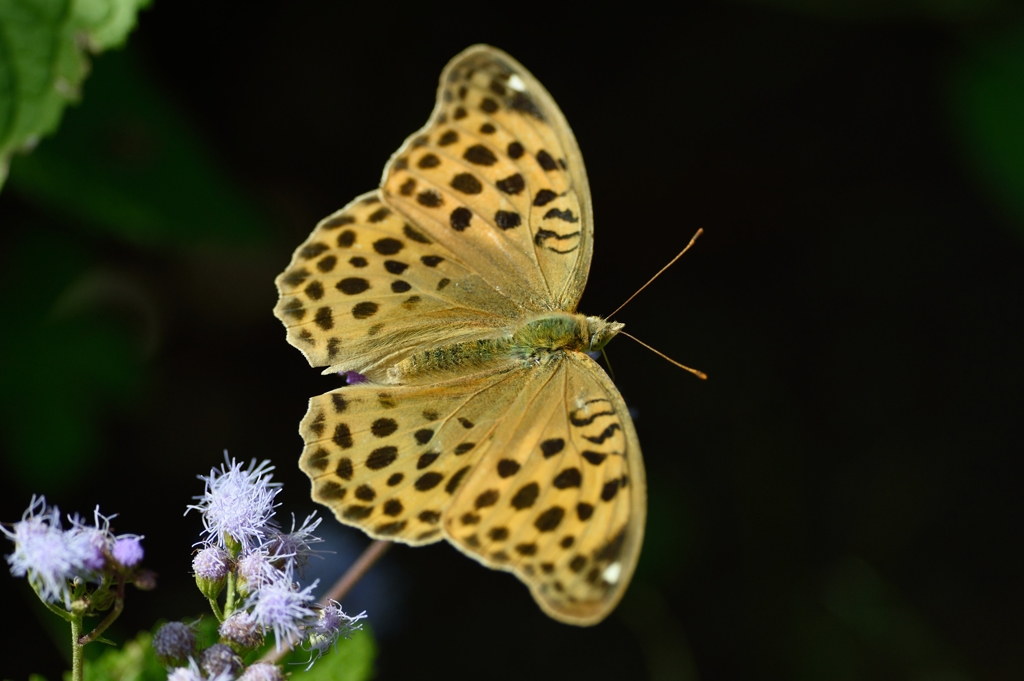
{"x": 671, "y": 262}
{"x": 608, "y": 363}
{"x": 699, "y": 374}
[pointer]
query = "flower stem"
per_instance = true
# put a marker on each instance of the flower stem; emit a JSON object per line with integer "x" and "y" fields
{"x": 60, "y": 612}
{"x": 77, "y": 655}
{"x": 114, "y": 613}
{"x": 216, "y": 609}
{"x": 229, "y": 600}
{"x": 366, "y": 559}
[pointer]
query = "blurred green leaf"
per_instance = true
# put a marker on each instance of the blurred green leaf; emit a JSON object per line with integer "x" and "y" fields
{"x": 868, "y": 10}
{"x": 987, "y": 100}
{"x": 352, "y": 661}
{"x": 63, "y": 364}
{"x": 871, "y": 622}
{"x": 134, "y": 661}
{"x": 127, "y": 163}
{"x": 42, "y": 62}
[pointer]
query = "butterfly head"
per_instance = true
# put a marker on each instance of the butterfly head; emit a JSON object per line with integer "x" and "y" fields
{"x": 601, "y": 331}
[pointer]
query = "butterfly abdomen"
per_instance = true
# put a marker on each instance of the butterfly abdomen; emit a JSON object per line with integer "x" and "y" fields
{"x": 456, "y": 358}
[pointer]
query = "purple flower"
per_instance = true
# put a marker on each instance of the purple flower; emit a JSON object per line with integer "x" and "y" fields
{"x": 211, "y": 563}
{"x": 220, "y": 661}
{"x": 295, "y": 545}
{"x": 42, "y": 552}
{"x": 174, "y": 642}
{"x": 262, "y": 671}
{"x": 189, "y": 673}
{"x": 280, "y": 606}
{"x": 242, "y": 630}
{"x": 238, "y": 504}
{"x": 331, "y": 625}
{"x": 353, "y": 377}
{"x": 255, "y": 571}
{"x": 92, "y": 542}
{"x": 128, "y": 551}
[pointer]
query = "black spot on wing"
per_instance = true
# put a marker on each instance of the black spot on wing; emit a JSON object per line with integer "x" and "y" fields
{"x": 605, "y": 434}
{"x": 414, "y": 234}
{"x": 507, "y": 219}
{"x": 544, "y": 197}
{"x": 513, "y": 184}
{"x": 460, "y": 218}
{"x": 467, "y": 183}
{"x": 480, "y": 155}
{"x": 545, "y": 161}
{"x": 565, "y": 215}
{"x": 544, "y": 239}
{"x": 338, "y": 221}
{"x": 576, "y": 419}
{"x": 523, "y": 103}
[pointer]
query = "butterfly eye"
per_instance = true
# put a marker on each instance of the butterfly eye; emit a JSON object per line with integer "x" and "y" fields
{"x": 603, "y": 332}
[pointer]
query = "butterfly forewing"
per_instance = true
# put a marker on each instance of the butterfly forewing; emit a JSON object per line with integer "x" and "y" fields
{"x": 367, "y": 289}
{"x": 496, "y": 176}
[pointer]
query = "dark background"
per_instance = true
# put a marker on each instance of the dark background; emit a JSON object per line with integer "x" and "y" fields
{"x": 839, "y": 501}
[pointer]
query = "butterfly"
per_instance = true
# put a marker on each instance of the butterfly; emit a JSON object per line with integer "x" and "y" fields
{"x": 452, "y": 289}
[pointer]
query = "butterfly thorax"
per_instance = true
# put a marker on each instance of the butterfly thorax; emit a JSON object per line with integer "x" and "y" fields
{"x": 562, "y": 331}
{"x": 534, "y": 341}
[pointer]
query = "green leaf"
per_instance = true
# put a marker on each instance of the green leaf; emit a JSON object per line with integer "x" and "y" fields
{"x": 352, "y": 661}
{"x": 987, "y": 100}
{"x": 887, "y": 10}
{"x": 134, "y": 661}
{"x": 43, "y": 63}
{"x": 127, "y": 164}
{"x": 61, "y": 338}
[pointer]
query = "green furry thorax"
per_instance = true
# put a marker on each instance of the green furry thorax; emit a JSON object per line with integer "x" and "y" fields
{"x": 533, "y": 340}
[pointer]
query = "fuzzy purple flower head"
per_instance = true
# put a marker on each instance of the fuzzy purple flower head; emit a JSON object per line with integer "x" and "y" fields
{"x": 42, "y": 552}
{"x": 238, "y": 504}
{"x": 331, "y": 625}
{"x": 128, "y": 551}
{"x": 281, "y": 607}
{"x": 295, "y": 546}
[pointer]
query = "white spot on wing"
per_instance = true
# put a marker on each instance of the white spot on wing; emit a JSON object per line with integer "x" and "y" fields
{"x": 516, "y": 83}
{"x": 612, "y": 573}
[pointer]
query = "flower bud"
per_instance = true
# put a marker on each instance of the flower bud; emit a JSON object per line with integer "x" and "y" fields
{"x": 144, "y": 580}
{"x": 220, "y": 659}
{"x": 241, "y": 632}
{"x": 211, "y": 566}
{"x": 174, "y": 643}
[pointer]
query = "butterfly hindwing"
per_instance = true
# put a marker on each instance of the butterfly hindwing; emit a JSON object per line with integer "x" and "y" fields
{"x": 559, "y": 498}
{"x": 390, "y": 459}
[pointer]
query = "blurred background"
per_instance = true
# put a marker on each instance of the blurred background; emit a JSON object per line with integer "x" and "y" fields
{"x": 838, "y": 501}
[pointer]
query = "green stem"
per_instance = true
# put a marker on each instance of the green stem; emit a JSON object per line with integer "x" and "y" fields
{"x": 77, "y": 656}
{"x": 61, "y": 612}
{"x": 229, "y": 601}
{"x": 115, "y": 612}
{"x": 216, "y": 609}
